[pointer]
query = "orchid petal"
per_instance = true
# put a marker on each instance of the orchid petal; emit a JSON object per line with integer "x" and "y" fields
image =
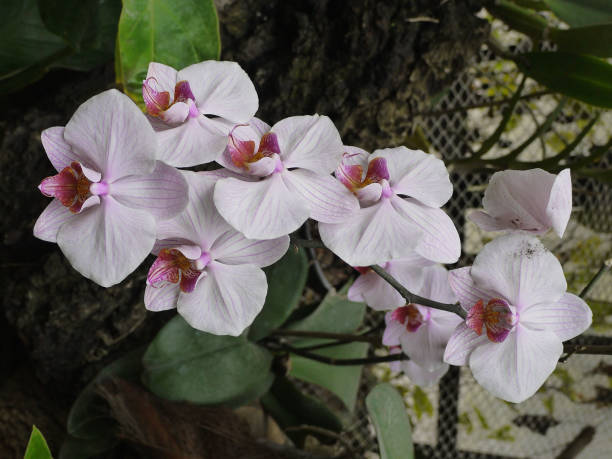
{"x": 393, "y": 331}
{"x": 226, "y": 301}
{"x": 309, "y": 142}
{"x": 436, "y": 285}
{"x": 251, "y": 132}
{"x": 165, "y": 77}
{"x": 369, "y": 194}
{"x": 462, "y": 284}
{"x": 567, "y": 317}
{"x": 372, "y": 235}
{"x": 520, "y": 269}
{"x": 329, "y": 201}
{"x": 232, "y": 248}
{"x": 440, "y": 240}
{"x": 263, "y": 167}
{"x": 461, "y": 344}
{"x": 422, "y": 376}
{"x": 177, "y": 113}
{"x": 559, "y": 206}
{"x": 196, "y": 141}
{"x": 105, "y": 243}
{"x": 417, "y": 174}
{"x": 222, "y": 89}
{"x": 161, "y": 298}
{"x": 266, "y": 209}
{"x": 514, "y": 369}
{"x": 58, "y": 150}
{"x": 486, "y": 222}
{"x": 50, "y": 221}
{"x": 111, "y": 135}
{"x": 163, "y": 193}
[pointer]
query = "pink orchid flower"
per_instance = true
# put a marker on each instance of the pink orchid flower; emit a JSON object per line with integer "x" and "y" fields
{"x": 532, "y": 200}
{"x": 400, "y": 192}
{"x": 518, "y": 316}
{"x": 193, "y": 109}
{"x": 109, "y": 189}
{"x": 377, "y": 293}
{"x": 419, "y": 375}
{"x": 206, "y": 269}
{"x": 423, "y": 332}
{"x": 286, "y": 177}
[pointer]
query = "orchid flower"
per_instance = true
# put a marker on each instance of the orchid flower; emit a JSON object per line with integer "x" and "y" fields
{"x": 532, "y": 200}
{"x": 419, "y": 375}
{"x": 377, "y": 293}
{"x": 287, "y": 179}
{"x": 181, "y": 103}
{"x": 518, "y": 316}
{"x": 206, "y": 269}
{"x": 422, "y": 332}
{"x": 109, "y": 190}
{"x": 400, "y": 192}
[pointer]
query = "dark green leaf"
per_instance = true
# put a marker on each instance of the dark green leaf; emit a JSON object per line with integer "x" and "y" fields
{"x": 579, "y": 13}
{"x": 335, "y": 314}
{"x": 173, "y": 32}
{"x": 186, "y": 364}
{"x": 595, "y": 40}
{"x": 521, "y": 19}
{"x": 37, "y": 446}
{"x": 286, "y": 280}
{"x": 388, "y": 413}
{"x": 78, "y": 448}
{"x": 585, "y": 78}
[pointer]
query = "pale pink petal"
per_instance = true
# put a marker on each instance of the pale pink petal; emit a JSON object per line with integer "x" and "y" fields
{"x": 163, "y": 193}
{"x": 186, "y": 247}
{"x": 328, "y": 200}
{"x": 261, "y": 210}
{"x": 468, "y": 293}
{"x": 111, "y": 135}
{"x": 105, "y": 243}
{"x": 374, "y": 291}
{"x": 559, "y": 205}
{"x": 196, "y": 141}
{"x": 58, "y": 150}
{"x": 418, "y": 175}
{"x": 263, "y": 167}
{"x": 222, "y": 89}
{"x": 461, "y": 344}
{"x": 164, "y": 75}
{"x": 309, "y": 142}
{"x": 520, "y": 269}
{"x": 232, "y": 248}
{"x": 436, "y": 285}
{"x": 161, "y": 298}
{"x": 369, "y": 194}
{"x": 567, "y": 317}
{"x": 371, "y": 235}
{"x": 393, "y": 331}
{"x": 439, "y": 239}
{"x": 176, "y": 114}
{"x": 50, "y": 221}
{"x": 422, "y": 376}
{"x": 486, "y": 222}
{"x": 199, "y": 223}
{"x": 516, "y": 368}
{"x": 226, "y": 301}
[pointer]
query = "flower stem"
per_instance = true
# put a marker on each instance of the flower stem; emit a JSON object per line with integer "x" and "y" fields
{"x": 412, "y": 298}
{"x": 604, "y": 268}
{"x": 343, "y": 362}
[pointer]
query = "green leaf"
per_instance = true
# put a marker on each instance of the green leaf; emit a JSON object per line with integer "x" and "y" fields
{"x": 286, "y": 281}
{"x": 388, "y": 413}
{"x": 338, "y": 315}
{"x": 37, "y": 446}
{"x": 173, "y": 32}
{"x": 421, "y": 403}
{"x": 89, "y": 417}
{"x": 579, "y": 13}
{"x": 595, "y": 40}
{"x": 186, "y": 364}
{"x": 585, "y": 78}
{"x": 78, "y": 448}
{"x": 522, "y": 19}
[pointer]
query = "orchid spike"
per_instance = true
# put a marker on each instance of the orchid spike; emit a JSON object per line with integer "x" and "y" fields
{"x": 400, "y": 192}
{"x": 532, "y": 200}
{"x": 377, "y": 293}
{"x": 193, "y": 109}
{"x": 206, "y": 269}
{"x": 422, "y": 332}
{"x": 285, "y": 177}
{"x": 109, "y": 189}
{"x": 516, "y": 291}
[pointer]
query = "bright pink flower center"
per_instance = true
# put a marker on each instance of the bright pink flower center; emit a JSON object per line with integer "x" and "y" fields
{"x": 157, "y": 102}
{"x": 172, "y": 267}
{"x": 243, "y": 152}
{"x": 351, "y": 175}
{"x": 409, "y": 316}
{"x": 497, "y": 317}
{"x": 70, "y": 187}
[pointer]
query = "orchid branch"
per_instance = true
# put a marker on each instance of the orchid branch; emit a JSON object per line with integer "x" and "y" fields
{"x": 341, "y": 362}
{"x": 605, "y": 267}
{"x": 413, "y": 298}
{"x": 327, "y": 335}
